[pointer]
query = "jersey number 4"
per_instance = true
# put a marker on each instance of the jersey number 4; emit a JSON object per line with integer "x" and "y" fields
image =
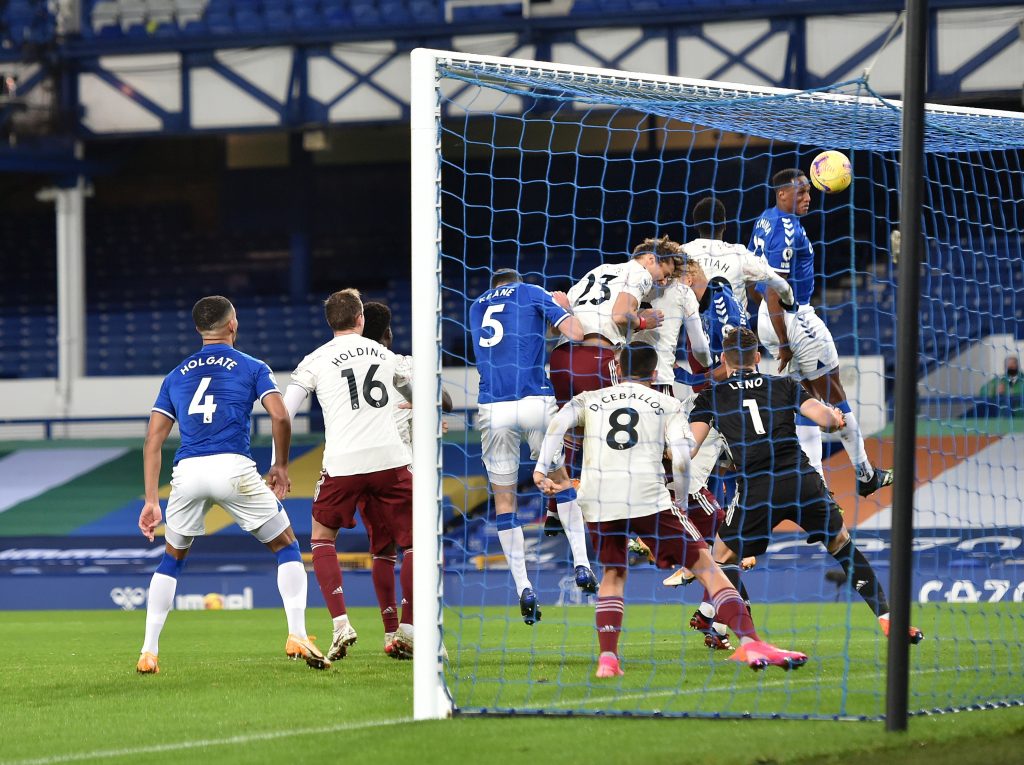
{"x": 374, "y": 391}
{"x": 207, "y": 407}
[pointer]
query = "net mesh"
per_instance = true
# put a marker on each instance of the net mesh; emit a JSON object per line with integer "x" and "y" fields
{"x": 556, "y": 172}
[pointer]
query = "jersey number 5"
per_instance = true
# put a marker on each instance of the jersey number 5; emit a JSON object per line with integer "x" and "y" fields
{"x": 207, "y": 407}
{"x": 489, "y": 322}
{"x": 374, "y": 391}
{"x": 755, "y": 416}
{"x": 628, "y": 427}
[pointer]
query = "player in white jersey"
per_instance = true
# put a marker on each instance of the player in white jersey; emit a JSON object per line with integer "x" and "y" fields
{"x": 607, "y": 302}
{"x": 359, "y": 384}
{"x": 733, "y": 262}
{"x": 681, "y": 310}
{"x": 384, "y": 554}
{"x": 622, "y": 492}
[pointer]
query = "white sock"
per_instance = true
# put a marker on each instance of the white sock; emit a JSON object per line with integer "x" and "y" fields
{"x": 853, "y": 442}
{"x": 575, "y": 528}
{"x": 707, "y": 610}
{"x": 514, "y": 545}
{"x": 291, "y": 583}
{"x": 161, "y": 598}
{"x": 340, "y": 622}
{"x": 810, "y": 441}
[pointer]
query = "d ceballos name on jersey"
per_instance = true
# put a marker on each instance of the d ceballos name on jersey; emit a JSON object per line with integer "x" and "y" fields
{"x": 209, "y": 361}
{"x": 640, "y": 398}
{"x": 356, "y": 352}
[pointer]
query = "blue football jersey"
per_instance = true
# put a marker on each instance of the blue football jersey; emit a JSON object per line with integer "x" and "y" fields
{"x": 780, "y": 238}
{"x": 509, "y": 325}
{"x": 718, "y": 310}
{"x": 211, "y": 394}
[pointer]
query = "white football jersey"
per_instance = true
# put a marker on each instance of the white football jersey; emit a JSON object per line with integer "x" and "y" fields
{"x": 733, "y": 262}
{"x": 355, "y": 380}
{"x": 593, "y": 297}
{"x": 403, "y": 417}
{"x": 676, "y": 302}
{"x": 626, "y": 428}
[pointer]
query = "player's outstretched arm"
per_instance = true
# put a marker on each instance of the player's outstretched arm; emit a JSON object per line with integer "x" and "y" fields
{"x": 566, "y": 418}
{"x": 757, "y": 271}
{"x": 625, "y": 314}
{"x": 680, "y": 442}
{"x": 571, "y": 328}
{"x": 827, "y": 417}
{"x": 152, "y": 456}
{"x": 281, "y": 428}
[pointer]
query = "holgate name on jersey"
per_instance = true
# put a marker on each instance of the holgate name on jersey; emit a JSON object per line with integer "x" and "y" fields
{"x": 645, "y": 398}
{"x": 356, "y": 352}
{"x": 209, "y": 361}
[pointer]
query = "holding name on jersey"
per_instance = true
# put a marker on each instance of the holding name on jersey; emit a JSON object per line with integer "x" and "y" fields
{"x": 831, "y": 172}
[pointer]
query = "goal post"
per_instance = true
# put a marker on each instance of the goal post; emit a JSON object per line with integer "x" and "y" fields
{"x": 554, "y": 169}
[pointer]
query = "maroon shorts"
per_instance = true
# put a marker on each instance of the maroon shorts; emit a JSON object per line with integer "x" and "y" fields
{"x": 671, "y": 537}
{"x": 579, "y": 368}
{"x": 705, "y": 513}
{"x": 386, "y": 499}
{"x": 698, "y": 369}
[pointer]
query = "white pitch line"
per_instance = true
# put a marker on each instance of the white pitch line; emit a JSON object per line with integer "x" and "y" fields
{"x": 180, "y": 745}
{"x": 763, "y": 684}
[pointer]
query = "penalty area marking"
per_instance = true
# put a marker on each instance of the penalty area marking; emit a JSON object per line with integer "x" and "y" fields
{"x": 198, "y": 744}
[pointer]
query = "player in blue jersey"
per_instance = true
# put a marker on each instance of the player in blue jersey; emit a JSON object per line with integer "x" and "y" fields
{"x": 509, "y": 323}
{"x": 800, "y": 340}
{"x": 210, "y": 395}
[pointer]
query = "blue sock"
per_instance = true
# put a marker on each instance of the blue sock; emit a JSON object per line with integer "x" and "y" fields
{"x": 566, "y": 495}
{"x": 844, "y": 406}
{"x": 507, "y": 521}
{"x": 170, "y": 566}
{"x": 289, "y": 553}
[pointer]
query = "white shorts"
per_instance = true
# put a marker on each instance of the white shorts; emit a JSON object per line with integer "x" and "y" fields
{"x": 228, "y": 480}
{"x": 502, "y": 426}
{"x": 814, "y": 350}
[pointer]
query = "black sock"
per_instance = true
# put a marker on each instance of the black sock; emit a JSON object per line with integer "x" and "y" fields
{"x": 863, "y": 577}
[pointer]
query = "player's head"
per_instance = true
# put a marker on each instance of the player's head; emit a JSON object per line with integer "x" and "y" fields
{"x": 505, "y": 276}
{"x": 709, "y": 217}
{"x": 1012, "y": 366}
{"x": 792, "y": 191}
{"x": 377, "y": 323}
{"x": 215, "y": 318}
{"x": 661, "y": 257}
{"x": 637, "y": 361}
{"x": 739, "y": 349}
{"x": 692, "y": 275}
{"x": 344, "y": 311}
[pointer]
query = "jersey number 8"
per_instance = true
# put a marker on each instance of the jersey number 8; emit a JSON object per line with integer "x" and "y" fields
{"x": 628, "y": 427}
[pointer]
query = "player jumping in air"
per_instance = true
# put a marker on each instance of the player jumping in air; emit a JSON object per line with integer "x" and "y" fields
{"x": 359, "y": 382}
{"x": 210, "y": 395}
{"x": 756, "y": 414}
{"x": 509, "y": 323}
{"x": 800, "y": 340}
{"x": 622, "y": 491}
{"x": 607, "y": 302}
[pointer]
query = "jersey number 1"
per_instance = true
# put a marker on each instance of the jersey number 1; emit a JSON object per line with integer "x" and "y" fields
{"x": 755, "y": 416}
{"x": 207, "y": 407}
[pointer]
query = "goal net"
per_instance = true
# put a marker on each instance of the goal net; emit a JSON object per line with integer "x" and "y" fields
{"x": 553, "y": 170}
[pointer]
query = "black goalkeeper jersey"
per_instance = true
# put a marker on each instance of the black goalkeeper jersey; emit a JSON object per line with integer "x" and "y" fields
{"x": 756, "y": 414}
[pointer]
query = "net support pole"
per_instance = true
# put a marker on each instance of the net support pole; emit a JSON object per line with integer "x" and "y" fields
{"x": 430, "y": 700}
{"x": 907, "y": 324}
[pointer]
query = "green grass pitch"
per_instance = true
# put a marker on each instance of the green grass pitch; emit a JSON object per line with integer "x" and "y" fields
{"x": 226, "y": 693}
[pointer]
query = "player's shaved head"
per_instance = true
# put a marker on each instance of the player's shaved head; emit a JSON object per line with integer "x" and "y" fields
{"x": 505, "y": 276}
{"x": 709, "y": 217}
{"x": 343, "y": 309}
{"x": 787, "y": 177}
{"x": 739, "y": 348}
{"x": 377, "y": 323}
{"x": 212, "y": 313}
{"x": 638, "y": 361}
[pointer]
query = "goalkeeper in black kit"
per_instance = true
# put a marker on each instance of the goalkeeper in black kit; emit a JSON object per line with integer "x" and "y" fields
{"x": 756, "y": 414}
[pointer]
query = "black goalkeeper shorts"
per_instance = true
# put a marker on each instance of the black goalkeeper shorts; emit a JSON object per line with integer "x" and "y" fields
{"x": 766, "y": 501}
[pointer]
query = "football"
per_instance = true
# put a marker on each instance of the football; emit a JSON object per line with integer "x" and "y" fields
{"x": 831, "y": 172}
